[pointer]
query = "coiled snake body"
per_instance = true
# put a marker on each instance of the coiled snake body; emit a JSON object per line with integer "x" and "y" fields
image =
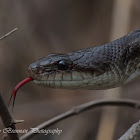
{"x": 102, "y": 67}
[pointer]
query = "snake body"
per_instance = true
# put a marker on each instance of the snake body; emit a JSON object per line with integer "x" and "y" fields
{"x": 101, "y": 67}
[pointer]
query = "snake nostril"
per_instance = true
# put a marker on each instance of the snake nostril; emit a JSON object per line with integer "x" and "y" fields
{"x": 35, "y": 70}
{"x": 29, "y": 69}
{"x": 32, "y": 70}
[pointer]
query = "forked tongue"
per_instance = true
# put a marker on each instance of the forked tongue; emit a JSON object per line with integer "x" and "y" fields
{"x": 13, "y": 95}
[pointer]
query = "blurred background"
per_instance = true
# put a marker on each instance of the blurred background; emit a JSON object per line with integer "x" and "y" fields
{"x": 52, "y": 26}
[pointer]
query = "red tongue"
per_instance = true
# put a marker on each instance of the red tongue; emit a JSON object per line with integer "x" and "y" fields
{"x": 17, "y": 87}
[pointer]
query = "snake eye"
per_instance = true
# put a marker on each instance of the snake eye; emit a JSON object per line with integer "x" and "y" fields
{"x": 62, "y": 65}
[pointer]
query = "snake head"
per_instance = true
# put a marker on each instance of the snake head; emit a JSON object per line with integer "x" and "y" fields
{"x": 48, "y": 65}
{"x": 68, "y": 71}
{"x": 43, "y": 69}
{"x": 52, "y": 70}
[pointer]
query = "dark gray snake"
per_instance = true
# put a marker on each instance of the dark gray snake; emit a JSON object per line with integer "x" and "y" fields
{"x": 102, "y": 67}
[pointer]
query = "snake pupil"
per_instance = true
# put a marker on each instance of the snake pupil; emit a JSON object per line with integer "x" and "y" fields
{"x": 62, "y": 65}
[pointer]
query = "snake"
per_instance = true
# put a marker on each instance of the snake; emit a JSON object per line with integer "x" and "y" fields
{"x": 95, "y": 68}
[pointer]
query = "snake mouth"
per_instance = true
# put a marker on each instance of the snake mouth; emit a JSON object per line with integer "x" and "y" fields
{"x": 69, "y": 79}
{"x": 65, "y": 84}
{"x": 60, "y": 80}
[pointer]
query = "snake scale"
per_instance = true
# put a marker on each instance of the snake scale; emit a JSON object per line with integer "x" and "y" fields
{"x": 101, "y": 67}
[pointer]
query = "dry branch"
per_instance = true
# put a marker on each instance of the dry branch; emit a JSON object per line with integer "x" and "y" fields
{"x": 7, "y": 119}
{"x": 4, "y": 113}
{"x": 81, "y": 108}
{"x": 9, "y": 33}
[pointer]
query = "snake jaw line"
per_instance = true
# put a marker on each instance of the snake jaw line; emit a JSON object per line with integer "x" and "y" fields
{"x": 14, "y": 92}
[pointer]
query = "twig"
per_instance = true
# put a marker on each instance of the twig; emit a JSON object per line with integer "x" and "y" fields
{"x": 4, "y": 113}
{"x": 7, "y": 119}
{"x": 81, "y": 108}
{"x": 133, "y": 133}
{"x": 9, "y": 33}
